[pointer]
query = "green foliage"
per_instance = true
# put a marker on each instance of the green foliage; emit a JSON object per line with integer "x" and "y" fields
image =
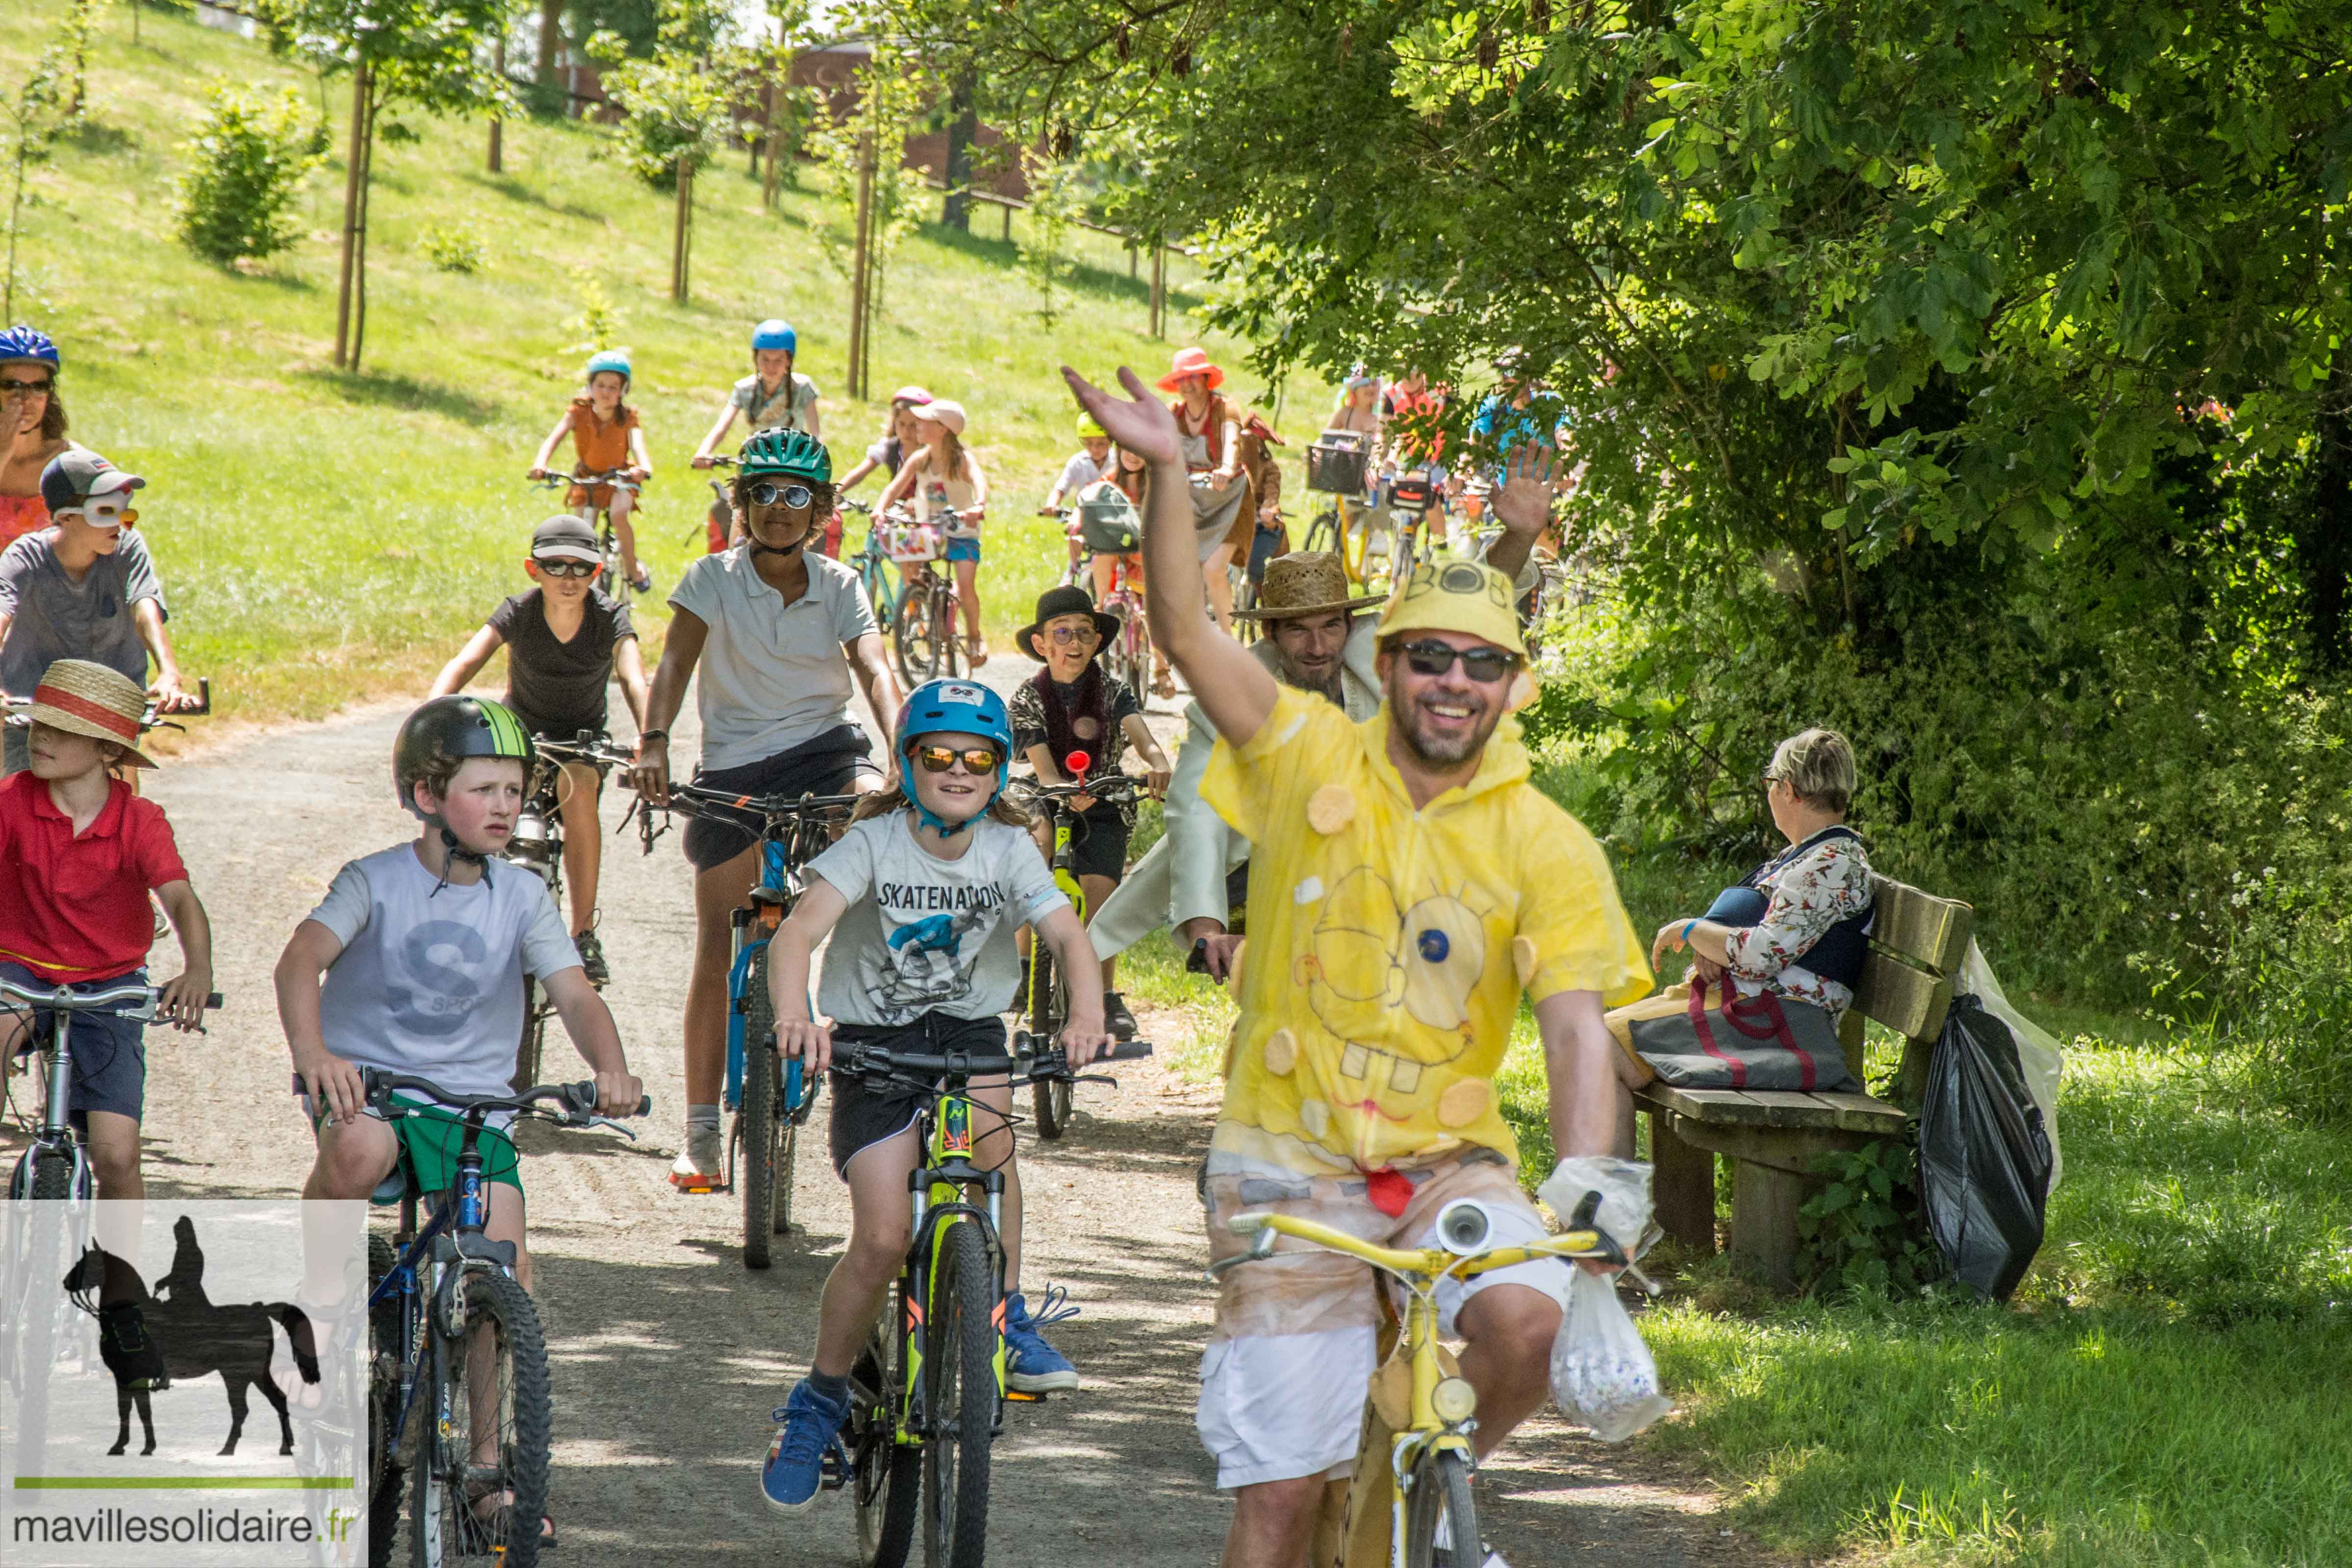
{"x": 1862, "y": 1234}
{"x": 599, "y": 322}
{"x": 890, "y": 99}
{"x": 245, "y": 166}
{"x": 678, "y": 102}
{"x": 2266, "y": 987}
{"x": 451, "y": 248}
{"x": 1054, "y": 199}
{"x": 33, "y": 112}
{"x": 425, "y": 53}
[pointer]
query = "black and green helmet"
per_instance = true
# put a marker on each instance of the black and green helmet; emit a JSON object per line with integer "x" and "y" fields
{"x": 795, "y": 454}
{"x": 458, "y": 727}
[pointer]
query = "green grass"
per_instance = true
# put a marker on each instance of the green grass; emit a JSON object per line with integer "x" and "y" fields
{"x": 325, "y": 536}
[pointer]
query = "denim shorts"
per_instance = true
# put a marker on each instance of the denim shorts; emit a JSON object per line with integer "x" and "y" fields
{"x": 109, "y": 1052}
{"x": 963, "y": 549}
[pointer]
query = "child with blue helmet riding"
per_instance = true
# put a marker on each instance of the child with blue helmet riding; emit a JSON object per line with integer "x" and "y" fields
{"x": 922, "y": 897}
{"x": 774, "y": 396}
{"x": 605, "y": 436}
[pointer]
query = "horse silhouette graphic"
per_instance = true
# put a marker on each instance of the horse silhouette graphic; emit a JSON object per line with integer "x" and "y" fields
{"x": 193, "y": 1337}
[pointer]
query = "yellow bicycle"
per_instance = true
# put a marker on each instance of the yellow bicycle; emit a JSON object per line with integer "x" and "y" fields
{"x": 1431, "y": 1458}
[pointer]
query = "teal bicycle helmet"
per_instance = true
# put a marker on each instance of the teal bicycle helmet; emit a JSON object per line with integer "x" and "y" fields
{"x": 609, "y": 359}
{"x": 795, "y": 454}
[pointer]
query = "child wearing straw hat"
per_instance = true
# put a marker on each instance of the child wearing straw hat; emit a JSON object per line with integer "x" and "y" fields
{"x": 79, "y": 852}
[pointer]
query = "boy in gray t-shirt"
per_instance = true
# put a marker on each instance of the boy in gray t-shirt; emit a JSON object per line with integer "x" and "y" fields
{"x": 423, "y": 948}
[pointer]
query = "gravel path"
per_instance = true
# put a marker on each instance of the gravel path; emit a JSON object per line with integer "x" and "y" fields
{"x": 667, "y": 1354}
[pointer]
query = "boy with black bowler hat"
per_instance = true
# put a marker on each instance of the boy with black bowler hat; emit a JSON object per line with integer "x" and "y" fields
{"x": 564, "y": 641}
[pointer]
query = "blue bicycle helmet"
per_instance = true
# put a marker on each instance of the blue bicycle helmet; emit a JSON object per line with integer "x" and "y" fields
{"x": 964, "y": 706}
{"x": 28, "y": 345}
{"x": 775, "y": 333}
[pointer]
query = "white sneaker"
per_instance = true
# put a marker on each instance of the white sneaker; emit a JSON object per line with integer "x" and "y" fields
{"x": 701, "y": 1165}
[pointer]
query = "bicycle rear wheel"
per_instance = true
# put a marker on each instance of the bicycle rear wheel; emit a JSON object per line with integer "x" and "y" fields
{"x": 1323, "y": 533}
{"x": 1050, "y": 1097}
{"x": 486, "y": 1395}
{"x": 528, "y": 1054}
{"x": 961, "y": 1394}
{"x": 765, "y": 1126}
{"x": 885, "y": 1475}
{"x": 1441, "y": 1489}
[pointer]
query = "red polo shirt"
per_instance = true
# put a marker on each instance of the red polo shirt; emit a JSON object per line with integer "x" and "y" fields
{"x": 75, "y": 907}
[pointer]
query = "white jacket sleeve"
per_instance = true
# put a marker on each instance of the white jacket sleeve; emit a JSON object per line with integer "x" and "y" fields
{"x": 1201, "y": 847}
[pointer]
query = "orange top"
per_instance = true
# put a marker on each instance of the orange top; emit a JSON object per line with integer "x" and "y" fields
{"x": 602, "y": 446}
{"x": 21, "y": 515}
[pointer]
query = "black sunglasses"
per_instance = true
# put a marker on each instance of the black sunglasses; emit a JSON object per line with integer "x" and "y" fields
{"x": 1483, "y": 665}
{"x": 767, "y": 492}
{"x": 26, "y": 388}
{"x": 566, "y": 568}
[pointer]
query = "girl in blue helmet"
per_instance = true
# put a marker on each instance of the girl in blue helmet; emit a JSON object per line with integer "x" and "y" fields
{"x": 922, "y": 898}
{"x": 33, "y": 421}
{"x": 605, "y": 436}
{"x": 774, "y": 396}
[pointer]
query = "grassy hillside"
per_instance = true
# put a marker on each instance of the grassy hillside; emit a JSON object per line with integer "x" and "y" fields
{"x": 324, "y": 535}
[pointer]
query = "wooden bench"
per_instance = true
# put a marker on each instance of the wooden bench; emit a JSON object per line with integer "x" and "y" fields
{"x": 1916, "y": 944}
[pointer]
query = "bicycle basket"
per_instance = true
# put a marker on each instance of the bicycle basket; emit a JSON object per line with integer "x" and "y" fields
{"x": 1412, "y": 494}
{"x": 908, "y": 543}
{"x": 1336, "y": 463}
{"x": 1109, "y": 525}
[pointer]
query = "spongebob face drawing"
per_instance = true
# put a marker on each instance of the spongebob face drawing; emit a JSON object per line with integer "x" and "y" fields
{"x": 1392, "y": 978}
{"x": 922, "y": 972}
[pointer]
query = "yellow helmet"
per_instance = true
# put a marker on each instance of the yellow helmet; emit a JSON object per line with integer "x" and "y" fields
{"x": 1465, "y": 596}
{"x": 1088, "y": 428}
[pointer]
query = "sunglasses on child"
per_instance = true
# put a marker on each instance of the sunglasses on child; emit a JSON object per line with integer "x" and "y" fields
{"x": 12, "y": 389}
{"x": 940, "y": 759}
{"x": 1483, "y": 665}
{"x": 566, "y": 566}
{"x": 767, "y": 492}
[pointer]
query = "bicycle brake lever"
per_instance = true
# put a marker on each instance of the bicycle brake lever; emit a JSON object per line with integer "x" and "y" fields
{"x": 594, "y": 1122}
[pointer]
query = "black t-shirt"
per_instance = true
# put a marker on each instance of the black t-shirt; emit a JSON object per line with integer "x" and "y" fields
{"x": 558, "y": 687}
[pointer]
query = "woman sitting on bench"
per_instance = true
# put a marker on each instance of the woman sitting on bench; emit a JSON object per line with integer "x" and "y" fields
{"x": 1774, "y": 961}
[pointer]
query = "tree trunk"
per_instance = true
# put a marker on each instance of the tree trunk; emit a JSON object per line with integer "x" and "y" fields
{"x": 551, "y": 35}
{"x": 358, "y": 262}
{"x": 957, "y": 213}
{"x": 353, "y": 157}
{"x": 768, "y": 140}
{"x": 685, "y": 222}
{"x": 1158, "y": 290}
{"x": 857, "y": 266}
{"x": 498, "y": 126}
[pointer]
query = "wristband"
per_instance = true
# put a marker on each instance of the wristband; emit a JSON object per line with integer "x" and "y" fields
{"x": 1688, "y": 928}
{"x": 645, "y": 735}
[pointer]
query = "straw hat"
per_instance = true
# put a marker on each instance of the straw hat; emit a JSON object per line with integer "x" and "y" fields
{"x": 1305, "y": 582}
{"x": 85, "y": 698}
{"x": 1192, "y": 362}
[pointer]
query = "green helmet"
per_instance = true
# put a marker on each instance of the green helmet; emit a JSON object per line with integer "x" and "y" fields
{"x": 609, "y": 359}
{"x": 1088, "y": 427}
{"x": 795, "y": 454}
{"x": 458, "y": 727}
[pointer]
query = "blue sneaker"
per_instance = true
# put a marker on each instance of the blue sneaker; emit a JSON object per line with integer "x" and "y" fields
{"x": 1030, "y": 1365}
{"x": 796, "y": 1455}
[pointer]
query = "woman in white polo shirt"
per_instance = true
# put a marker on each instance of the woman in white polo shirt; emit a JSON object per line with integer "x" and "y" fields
{"x": 778, "y": 633}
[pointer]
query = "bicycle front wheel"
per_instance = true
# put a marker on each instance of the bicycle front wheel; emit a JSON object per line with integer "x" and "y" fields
{"x": 959, "y": 1393}
{"x": 1323, "y": 534}
{"x": 914, "y": 635}
{"x": 485, "y": 1436}
{"x": 1049, "y": 1096}
{"x": 885, "y": 1475}
{"x": 387, "y": 1464}
{"x": 1441, "y": 1490}
{"x": 765, "y": 1125}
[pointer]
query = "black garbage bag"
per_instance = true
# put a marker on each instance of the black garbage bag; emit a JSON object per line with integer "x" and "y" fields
{"x": 1984, "y": 1155}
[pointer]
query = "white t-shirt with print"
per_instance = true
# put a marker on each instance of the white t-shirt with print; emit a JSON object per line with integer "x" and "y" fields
{"x": 430, "y": 979}
{"x": 772, "y": 675}
{"x": 924, "y": 934}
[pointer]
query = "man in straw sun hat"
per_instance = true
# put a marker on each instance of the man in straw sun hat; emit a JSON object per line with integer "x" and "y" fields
{"x": 79, "y": 852}
{"x": 1408, "y": 884}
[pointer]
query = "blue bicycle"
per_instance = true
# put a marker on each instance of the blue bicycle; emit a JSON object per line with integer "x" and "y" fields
{"x": 452, "y": 1329}
{"x": 774, "y": 1099}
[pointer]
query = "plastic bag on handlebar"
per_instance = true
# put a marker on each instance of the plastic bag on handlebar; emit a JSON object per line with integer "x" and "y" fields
{"x": 1602, "y": 1372}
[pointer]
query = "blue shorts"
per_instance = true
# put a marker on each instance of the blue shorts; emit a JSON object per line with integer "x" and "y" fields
{"x": 109, "y": 1052}
{"x": 963, "y": 550}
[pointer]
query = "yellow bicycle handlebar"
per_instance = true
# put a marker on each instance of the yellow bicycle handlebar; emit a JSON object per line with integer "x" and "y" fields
{"x": 1418, "y": 1263}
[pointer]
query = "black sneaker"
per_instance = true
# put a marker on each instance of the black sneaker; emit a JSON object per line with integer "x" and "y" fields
{"x": 1116, "y": 1018}
{"x": 592, "y": 959}
{"x": 129, "y": 1349}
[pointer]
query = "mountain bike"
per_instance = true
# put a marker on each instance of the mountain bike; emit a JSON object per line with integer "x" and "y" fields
{"x": 452, "y": 1329}
{"x": 614, "y": 581}
{"x": 1048, "y": 991}
{"x": 1116, "y": 535}
{"x": 537, "y": 846}
{"x": 1431, "y": 1460}
{"x": 927, "y": 1393}
{"x": 923, "y": 626}
{"x": 873, "y": 568}
{"x": 771, "y": 1097}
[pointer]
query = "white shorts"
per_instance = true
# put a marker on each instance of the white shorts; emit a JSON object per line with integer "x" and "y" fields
{"x": 1283, "y": 1382}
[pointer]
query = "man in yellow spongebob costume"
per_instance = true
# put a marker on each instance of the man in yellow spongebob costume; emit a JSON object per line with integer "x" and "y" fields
{"x": 1408, "y": 885}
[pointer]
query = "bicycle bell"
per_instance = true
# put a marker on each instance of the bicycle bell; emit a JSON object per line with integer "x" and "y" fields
{"x": 1463, "y": 1227}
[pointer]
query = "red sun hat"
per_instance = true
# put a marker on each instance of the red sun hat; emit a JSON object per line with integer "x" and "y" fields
{"x": 1192, "y": 362}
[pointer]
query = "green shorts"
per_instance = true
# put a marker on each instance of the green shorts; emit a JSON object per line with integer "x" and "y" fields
{"x": 429, "y": 1139}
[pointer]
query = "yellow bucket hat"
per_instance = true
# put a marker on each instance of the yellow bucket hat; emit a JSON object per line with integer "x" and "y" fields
{"x": 1465, "y": 596}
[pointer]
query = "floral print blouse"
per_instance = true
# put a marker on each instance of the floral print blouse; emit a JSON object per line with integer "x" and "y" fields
{"x": 1813, "y": 887}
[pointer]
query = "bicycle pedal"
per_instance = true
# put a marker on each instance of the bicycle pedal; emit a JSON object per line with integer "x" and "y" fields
{"x": 699, "y": 1185}
{"x": 1015, "y": 1396}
